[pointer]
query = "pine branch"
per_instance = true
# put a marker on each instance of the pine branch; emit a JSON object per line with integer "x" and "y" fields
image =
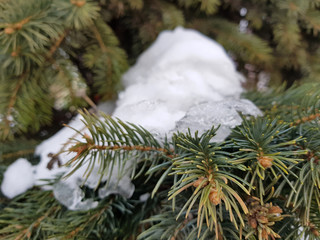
{"x": 7, "y": 117}
{"x": 263, "y": 148}
{"x": 113, "y": 141}
{"x": 25, "y": 216}
{"x": 57, "y": 44}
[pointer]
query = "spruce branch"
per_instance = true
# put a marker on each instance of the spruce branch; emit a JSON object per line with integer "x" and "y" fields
{"x": 115, "y": 142}
{"x": 7, "y": 118}
{"x": 57, "y": 44}
{"x": 77, "y": 14}
{"x": 264, "y": 149}
{"x": 25, "y": 216}
{"x": 202, "y": 166}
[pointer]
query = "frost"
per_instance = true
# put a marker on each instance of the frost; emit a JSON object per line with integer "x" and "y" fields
{"x": 18, "y": 178}
{"x": 203, "y": 116}
{"x": 71, "y": 196}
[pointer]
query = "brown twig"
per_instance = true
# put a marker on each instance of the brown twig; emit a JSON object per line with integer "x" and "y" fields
{"x": 12, "y": 27}
{"x": 306, "y": 119}
{"x": 26, "y": 233}
{"x": 79, "y": 149}
{"x": 18, "y": 153}
{"x": 57, "y": 44}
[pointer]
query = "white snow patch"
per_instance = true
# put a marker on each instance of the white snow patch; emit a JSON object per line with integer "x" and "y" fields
{"x": 171, "y": 80}
{"x": 18, "y": 178}
{"x": 183, "y": 80}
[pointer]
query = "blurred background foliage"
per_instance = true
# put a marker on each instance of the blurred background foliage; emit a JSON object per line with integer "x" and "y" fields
{"x": 56, "y": 54}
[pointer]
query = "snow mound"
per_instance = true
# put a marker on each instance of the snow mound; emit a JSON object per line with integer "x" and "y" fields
{"x": 18, "y": 178}
{"x": 182, "y": 68}
{"x": 184, "y": 80}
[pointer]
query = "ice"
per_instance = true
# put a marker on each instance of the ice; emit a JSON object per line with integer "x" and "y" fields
{"x": 71, "y": 196}
{"x": 201, "y": 117}
{"x": 122, "y": 186}
{"x": 144, "y": 197}
{"x": 18, "y": 178}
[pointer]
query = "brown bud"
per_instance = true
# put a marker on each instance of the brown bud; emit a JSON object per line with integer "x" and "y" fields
{"x": 18, "y": 26}
{"x": 275, "y": 209}
{"x": 9, "y": 30}
{"x": 14, "y": 54}
{"x": 253, "y": 223}
{"x": 265, "y": 161}
{"x": 264, "y": 234}
{"x": 198, "y": 182}
{"x": 315, "y": 232}
{"x": 78, "y": 3}
{"x": 214, "y": 197}
{"x": 262, "y": 219}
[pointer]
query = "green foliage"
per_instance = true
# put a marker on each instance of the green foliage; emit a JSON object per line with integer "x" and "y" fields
{"x": 42, "y": 66}
{"x": 40, "y": 216}
{"x": 262, "y": 183}
{"x": 263, "y": 146}
{"x": 96, "y": 36}
{"x": 202, "y": 165}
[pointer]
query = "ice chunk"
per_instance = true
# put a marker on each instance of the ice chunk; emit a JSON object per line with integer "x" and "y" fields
{"x": 71, "y": 196}
{"x": 144, "y": 197}
{"x": 18, "y": 178}
{"x": 122, "y": 186}
{"x": 203, "y": 116}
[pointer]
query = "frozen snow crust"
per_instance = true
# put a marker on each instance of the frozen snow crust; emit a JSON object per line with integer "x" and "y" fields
{"x": 184, "y": 80}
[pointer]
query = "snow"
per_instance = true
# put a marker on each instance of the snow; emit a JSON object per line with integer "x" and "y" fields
{"x": 183, "y": 80}
{"x": 17, "y": 178}
{"x": 182, "y": 68}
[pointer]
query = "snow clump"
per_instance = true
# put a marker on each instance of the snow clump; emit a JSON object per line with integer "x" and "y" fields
{"x": 18, "y": 178}
{"x": 184, "y": 80}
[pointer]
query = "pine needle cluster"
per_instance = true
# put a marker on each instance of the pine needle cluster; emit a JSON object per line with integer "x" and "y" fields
{"x": 262, "y": 182}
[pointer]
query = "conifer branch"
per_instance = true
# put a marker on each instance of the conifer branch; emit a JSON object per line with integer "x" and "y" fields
{"x": 12, "y": 27}
{"x": 11, "y": 104}
{"x": 57, "y": 44}
{"x": 17, "y": 154}
{"x": 99, "y": 38}
{"x": 27, "y": 232}
{"x": 80, "y": 149}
